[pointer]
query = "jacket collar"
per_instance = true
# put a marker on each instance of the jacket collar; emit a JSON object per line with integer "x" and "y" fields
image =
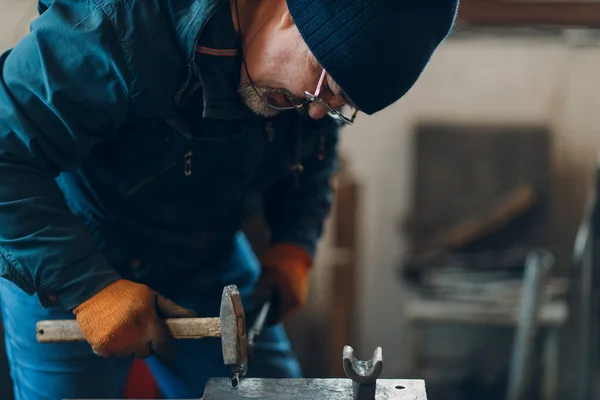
{"x": 210, "y": 46}
{"x": 189, "y": 17}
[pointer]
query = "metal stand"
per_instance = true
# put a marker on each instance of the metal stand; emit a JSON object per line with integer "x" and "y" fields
{"x": 537, "y": 266}
{"x": 587, "y": 275}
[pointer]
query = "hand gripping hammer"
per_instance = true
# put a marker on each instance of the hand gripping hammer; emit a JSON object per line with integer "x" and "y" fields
{"x": 230, "y": 326}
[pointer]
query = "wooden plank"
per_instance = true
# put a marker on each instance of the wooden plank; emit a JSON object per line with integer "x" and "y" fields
{"x": 56, "y": 331}
{"x": 481, "y": 224}
{"x": 345, "y": 213}
{"x": 551, "y": 314}
{"x": 524, "y": 13}
{"x": 342, "y": 311}
{"x": 343, "y": 282}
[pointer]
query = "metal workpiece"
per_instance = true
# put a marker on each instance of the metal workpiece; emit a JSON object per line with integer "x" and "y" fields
{"x": 310, "y": 389}
{"x": 258, "y": 325}
{"x": 363, "y": 374}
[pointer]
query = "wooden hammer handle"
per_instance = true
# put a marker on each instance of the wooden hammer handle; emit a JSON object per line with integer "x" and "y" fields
{"x": 56, "y": 331}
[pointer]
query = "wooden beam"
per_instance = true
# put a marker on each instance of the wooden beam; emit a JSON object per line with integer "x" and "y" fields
{"x": 523, "y": 13}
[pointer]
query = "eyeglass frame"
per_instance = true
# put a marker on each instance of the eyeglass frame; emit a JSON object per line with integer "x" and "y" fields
{"x": 310, "y": 98}
{"x": 314, "y": 98}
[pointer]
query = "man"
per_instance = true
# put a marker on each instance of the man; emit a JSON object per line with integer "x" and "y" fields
{"x": 135, "y": 138}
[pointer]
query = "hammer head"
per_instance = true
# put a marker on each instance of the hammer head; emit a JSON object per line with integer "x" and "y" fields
{"x": 233, "y": 331}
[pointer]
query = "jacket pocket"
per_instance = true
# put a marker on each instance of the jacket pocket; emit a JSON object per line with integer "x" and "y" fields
{"x": 142, "y": 156}
{"x": 150, "y": 179}
{"x": 9, "y": 272}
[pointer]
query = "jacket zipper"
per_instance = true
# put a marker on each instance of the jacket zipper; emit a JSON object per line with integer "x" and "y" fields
{"x": 187, "y": 169}
{"x": 298, "y": 167}
{"x": 270, "y": 131}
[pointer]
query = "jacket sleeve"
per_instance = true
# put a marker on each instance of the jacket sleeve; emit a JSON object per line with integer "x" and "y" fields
{"x": 296, "y": 207}
{"x": 62, "y": 89}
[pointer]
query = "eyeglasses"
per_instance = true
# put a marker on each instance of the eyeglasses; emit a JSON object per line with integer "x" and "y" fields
{"x": 314, "y": 98}
{"x": 311, "y": 98}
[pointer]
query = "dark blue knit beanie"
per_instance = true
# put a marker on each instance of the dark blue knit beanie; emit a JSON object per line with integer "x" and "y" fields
{"x": 374, "y": 49}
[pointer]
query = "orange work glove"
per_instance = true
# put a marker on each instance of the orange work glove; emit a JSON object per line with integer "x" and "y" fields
{"x": 284, "y": 280}
{"x": 124, "y": 320}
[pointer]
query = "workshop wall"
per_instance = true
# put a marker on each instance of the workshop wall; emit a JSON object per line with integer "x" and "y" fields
{"x": 494, "y": 78}
{"x": 14, "y": 20}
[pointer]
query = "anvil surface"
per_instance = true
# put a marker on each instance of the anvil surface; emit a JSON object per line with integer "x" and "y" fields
{"x": 310, "y": 389}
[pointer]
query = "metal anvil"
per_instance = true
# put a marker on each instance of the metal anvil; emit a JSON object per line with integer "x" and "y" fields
{"x": 361, "y": 384}
{"x": 310, "y": 389}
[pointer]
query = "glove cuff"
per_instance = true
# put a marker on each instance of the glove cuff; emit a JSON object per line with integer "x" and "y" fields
{"x": 287, "y": 256}
{"x": 287, "y": 266}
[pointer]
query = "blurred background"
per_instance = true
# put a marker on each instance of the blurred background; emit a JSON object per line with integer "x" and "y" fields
{"x": 452, "y": 243}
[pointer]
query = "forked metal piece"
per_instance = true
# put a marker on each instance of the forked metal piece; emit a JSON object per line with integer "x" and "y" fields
{"x": 364, "y": 374}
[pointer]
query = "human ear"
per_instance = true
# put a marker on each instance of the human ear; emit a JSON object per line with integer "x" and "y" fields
{"x": 286, "y": 20}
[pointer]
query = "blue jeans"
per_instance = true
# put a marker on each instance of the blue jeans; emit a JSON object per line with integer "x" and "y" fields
{"x": 71, "y": 370}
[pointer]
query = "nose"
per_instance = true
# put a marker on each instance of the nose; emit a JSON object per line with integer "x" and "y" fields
{"x": 317, "y": 111}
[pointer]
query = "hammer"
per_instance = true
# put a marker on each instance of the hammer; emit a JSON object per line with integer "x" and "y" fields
{"x": 230, "y": 326}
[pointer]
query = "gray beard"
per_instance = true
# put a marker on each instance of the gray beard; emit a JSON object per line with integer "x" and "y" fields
{"x": 256, "y": 104}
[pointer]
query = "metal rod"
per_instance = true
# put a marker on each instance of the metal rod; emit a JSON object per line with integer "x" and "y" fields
{"x": 537, "y": 265}
{"x": 259, "y": 323}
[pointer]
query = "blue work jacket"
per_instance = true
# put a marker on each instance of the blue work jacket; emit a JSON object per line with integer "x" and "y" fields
{"x": 126, "y": 152}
